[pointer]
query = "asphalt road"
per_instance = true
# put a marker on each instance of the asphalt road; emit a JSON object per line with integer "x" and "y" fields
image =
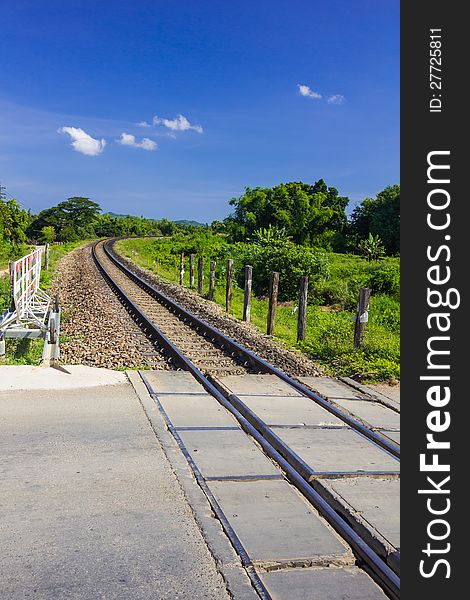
{"x": 90, "y": 507}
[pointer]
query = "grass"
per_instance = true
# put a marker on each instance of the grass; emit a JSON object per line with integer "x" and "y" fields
{"x": 29, "y": 351}
{"x": 330, "y": 330}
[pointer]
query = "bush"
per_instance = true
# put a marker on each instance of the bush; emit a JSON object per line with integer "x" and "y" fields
{"x": 386, "y": 312}
{"x": 291, "y": 262}
{"x": 4, "y": 293}
{"x": 336, "y": 292}
{"x": 348, "y": 273}
{"x": 204, "y": 244}
{"x": 385, "y": 279}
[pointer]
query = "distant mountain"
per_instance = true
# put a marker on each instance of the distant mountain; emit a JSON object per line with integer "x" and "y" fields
{"x": 180, "y": 222}
{"x": 195, "y": 223}
{"x": 113, "y": 214}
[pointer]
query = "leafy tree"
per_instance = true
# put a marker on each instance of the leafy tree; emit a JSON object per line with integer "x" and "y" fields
{"x": 310, "y": 214}
{"x": 81, "y": 212}
{"x": 168, "y": 227}
{"x": 109, "y": 225}
{"x": 13, "y": 222}
{"x": 266, "y": 235}
{"x": 372, "y": 247}
{"x": 48, "y": 234}
{"x": 379, "y": 216}
{"x": 49, "y": 217}
{"x": 72, "y": 219}
{"x": 217, "y": 227}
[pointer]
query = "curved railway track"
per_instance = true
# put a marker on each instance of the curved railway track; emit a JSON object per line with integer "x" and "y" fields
{"x": 193, "y": 345}
{"x": 208, "y": 357}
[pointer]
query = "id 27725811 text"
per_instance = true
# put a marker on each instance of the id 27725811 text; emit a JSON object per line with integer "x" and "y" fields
{"x": 435, "y": 70}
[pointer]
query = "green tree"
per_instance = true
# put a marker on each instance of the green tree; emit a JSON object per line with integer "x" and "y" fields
{"x": 72, "y": 219}
{"x": 310, "y": 214}
{"x": 267, "y": 235}
{"x": 48, "y": 234}
{"x": 13, "y": 222}
{"x": 217, "y": 226}
{"x": 168, "y": 227}
{"x": 49, "y": 217}
{"x": 372, "y": 247}
{"x": 81, "y": 212}
{"x": 379, "y": 216}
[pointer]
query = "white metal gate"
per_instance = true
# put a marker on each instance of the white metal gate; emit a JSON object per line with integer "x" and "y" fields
{"x": 31, "y": 303}
{"x": 31, "y": 314}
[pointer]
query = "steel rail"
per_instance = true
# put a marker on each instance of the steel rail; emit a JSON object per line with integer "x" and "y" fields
{"x": 256, "y": 361}
{"x": 370, "y": 560}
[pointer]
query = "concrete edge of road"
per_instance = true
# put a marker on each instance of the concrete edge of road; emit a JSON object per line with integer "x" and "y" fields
{"x": 227, "y": 561}
{"x": 66, "y": 377}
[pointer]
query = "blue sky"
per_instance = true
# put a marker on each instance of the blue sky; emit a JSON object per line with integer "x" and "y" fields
{"x": 207, "y": 94}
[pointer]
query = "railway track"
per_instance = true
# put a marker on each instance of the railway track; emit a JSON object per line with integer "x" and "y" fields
{"x": 208, "y": 357}
{"x": 213, "y": 359}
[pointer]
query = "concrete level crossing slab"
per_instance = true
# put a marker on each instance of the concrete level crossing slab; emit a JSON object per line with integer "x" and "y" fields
{"x": 394, "y": 435}
{"x": 196, "y": 410}
{"x": 94, "y": 508}
{"x": 320, "y": 583}
{"x": 376, "y": 500}
{"x": 275, "y": 524}
{"x": 226, "y": 453}
{"x": 258, "y": 385}
{"x": 383, "y": 393}
{"x": 373, "y": 413}
{"x": 290, "y": 410}
{"x": 173, "y": 382}
{"x": 337, "y": 450}
{"x": 331, "y": 388}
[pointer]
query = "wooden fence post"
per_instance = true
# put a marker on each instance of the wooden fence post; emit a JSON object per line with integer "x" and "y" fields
{"x": 200, "y": 274}
{"x": 247, "y": 298}
{"x": 273, "y": 290}
{"x": 228, "y": 287}
{"x": 191, "y": 270}
{"x": 181, "y": 268}
{"x": 46, "y": 256}
{"x": 362, "y": 316}
{"x": 212, "y": 280}
{"x": 302, "y": 316}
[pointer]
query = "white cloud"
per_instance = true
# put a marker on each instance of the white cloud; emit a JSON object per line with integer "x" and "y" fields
{"x": 181, "y": 123}
{"x": 127, "y": 139}
{"x": 82, "y": 142}
{"x": 336, "y": 99}
{"x": 143, "y": 124}
{"x": 304, "y": 90}
{"x": 147, "y": 144}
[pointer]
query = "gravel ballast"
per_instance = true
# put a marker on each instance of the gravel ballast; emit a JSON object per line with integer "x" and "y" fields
{"x": 96, "y": 329}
